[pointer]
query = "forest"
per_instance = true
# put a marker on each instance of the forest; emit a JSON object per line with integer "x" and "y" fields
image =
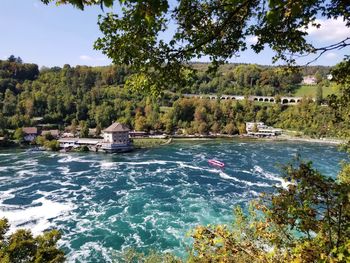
{"x": 94, "y": 97}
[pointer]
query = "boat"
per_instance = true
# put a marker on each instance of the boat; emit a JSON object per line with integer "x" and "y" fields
{"x": 216, "y": 163}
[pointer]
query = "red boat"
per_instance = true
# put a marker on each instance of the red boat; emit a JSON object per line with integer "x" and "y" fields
{"x": 216, "y": 163}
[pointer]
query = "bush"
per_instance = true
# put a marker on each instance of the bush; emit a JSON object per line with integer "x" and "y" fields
{"x": 53, "y": 145}
{"x": 22, "y": 246}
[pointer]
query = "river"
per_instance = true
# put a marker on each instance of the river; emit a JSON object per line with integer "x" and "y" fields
{"x": 147, "y": 199}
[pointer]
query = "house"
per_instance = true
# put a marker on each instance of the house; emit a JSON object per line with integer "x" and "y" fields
{"x": 309, "y": 80}
{"x": 30, "y": 133}
{"x": 261, "y": 130}
{"x": 116, "y": 139}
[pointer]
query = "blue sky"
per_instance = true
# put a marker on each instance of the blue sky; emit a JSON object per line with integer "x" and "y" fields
{"x": 54, "y": 36}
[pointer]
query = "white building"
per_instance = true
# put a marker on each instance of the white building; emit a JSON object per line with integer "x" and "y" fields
{"x": 261, "y": 130}
{"x": 116, "y": 138}
{"x": 309, "y": 80}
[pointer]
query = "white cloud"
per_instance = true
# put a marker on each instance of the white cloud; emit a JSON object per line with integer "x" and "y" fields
{"x": 331, "y": 55}
{"x": 331, "y": 30}
{"x": 252, "y": 40}
{"x": 89, "y": 58}
{"x": 85, "y": 58}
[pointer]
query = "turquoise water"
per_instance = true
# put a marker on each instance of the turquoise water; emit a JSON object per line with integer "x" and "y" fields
{"x": 147, "y": 199}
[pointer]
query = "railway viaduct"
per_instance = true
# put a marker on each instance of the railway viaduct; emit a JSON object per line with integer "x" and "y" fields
{"x": 283, "y": 99}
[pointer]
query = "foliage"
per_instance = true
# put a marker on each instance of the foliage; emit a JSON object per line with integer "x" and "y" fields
{"x": 19, "y": 135}
{"x": 307, "y": 221}
{"x": 216, "y": 29}
{"x": 132, "y": 256}
{"x": 52, "y": 145}
{"x": 88, "y": 97}
{"x": 148, "y": 142}
{"x": 40, "y": 140}
{"x": 83, "y": 149}
{"x": 22, "y": 246}
{"x": 341, "y": 75}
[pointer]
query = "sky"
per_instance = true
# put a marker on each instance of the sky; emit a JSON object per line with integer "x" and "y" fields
{"x": 54, "y": 36}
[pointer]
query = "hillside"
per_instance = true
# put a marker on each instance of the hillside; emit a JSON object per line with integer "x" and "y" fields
{"x": 94, "y": 97}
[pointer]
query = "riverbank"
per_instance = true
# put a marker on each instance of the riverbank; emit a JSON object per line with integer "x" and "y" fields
{"x": 150, "y": 142}
{"x": 145, "y": 142}
{"x": 283, "y": 137}
{"x": 334, "y": 141}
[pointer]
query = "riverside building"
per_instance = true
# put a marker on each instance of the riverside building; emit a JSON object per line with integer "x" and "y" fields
{"x": 259, "y": 129}
{"x": 115, "y": 139}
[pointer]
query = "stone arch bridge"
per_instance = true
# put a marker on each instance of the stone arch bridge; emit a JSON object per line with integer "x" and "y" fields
{"x": 270, "y": 99}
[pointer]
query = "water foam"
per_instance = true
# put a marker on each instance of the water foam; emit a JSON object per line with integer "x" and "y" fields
{"x": 259, "y": 170}
{"x": 41, "y": 214}
{"x": 4, "y": 168}
{"x": 226, "y": 176}
{"x": 70, "y": 158}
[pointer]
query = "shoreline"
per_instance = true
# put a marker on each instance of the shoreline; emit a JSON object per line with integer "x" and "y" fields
{"x": 333, "y": 141}
{"x": 280, "y": 138}
{"x": 154, "y": 142}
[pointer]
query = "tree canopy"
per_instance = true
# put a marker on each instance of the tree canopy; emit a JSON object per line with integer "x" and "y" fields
{"x": 217, "y": 29}
{"x": 22, "y": 246}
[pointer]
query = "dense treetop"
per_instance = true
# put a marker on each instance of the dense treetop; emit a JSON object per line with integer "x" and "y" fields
{"x": 89, "y": 97}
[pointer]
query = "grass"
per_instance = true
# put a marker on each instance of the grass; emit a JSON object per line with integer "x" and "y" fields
{"x": 148, "y": 142}
{"x": 310, "y": 91}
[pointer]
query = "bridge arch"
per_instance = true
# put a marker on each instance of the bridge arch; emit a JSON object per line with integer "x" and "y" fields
{"x": 261, "y": 99}
{"x": 285, "y": 101}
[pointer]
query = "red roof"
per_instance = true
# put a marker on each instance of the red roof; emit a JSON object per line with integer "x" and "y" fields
{"x": 30, "y": 130}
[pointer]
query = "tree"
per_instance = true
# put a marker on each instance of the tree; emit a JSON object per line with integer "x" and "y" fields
{"x": 318, "y": 77}
{"x": 19, "y": 135}
{"x": 140, "y": 122}
{"x": 255, "y": 127}
{"x": 52, "y": 145}
{"x": 217, "y": 29}
{"x": 341, "y": 74}
{"x": 22, "y": 246}
{"x": 230, "y": 128}
{"x": 84, "y": 129}
{"x": 319, "y": 94}
{"x": 73, "y": 128}
{"x": 242, "y": 128}
{"x": 98, "y": 131}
